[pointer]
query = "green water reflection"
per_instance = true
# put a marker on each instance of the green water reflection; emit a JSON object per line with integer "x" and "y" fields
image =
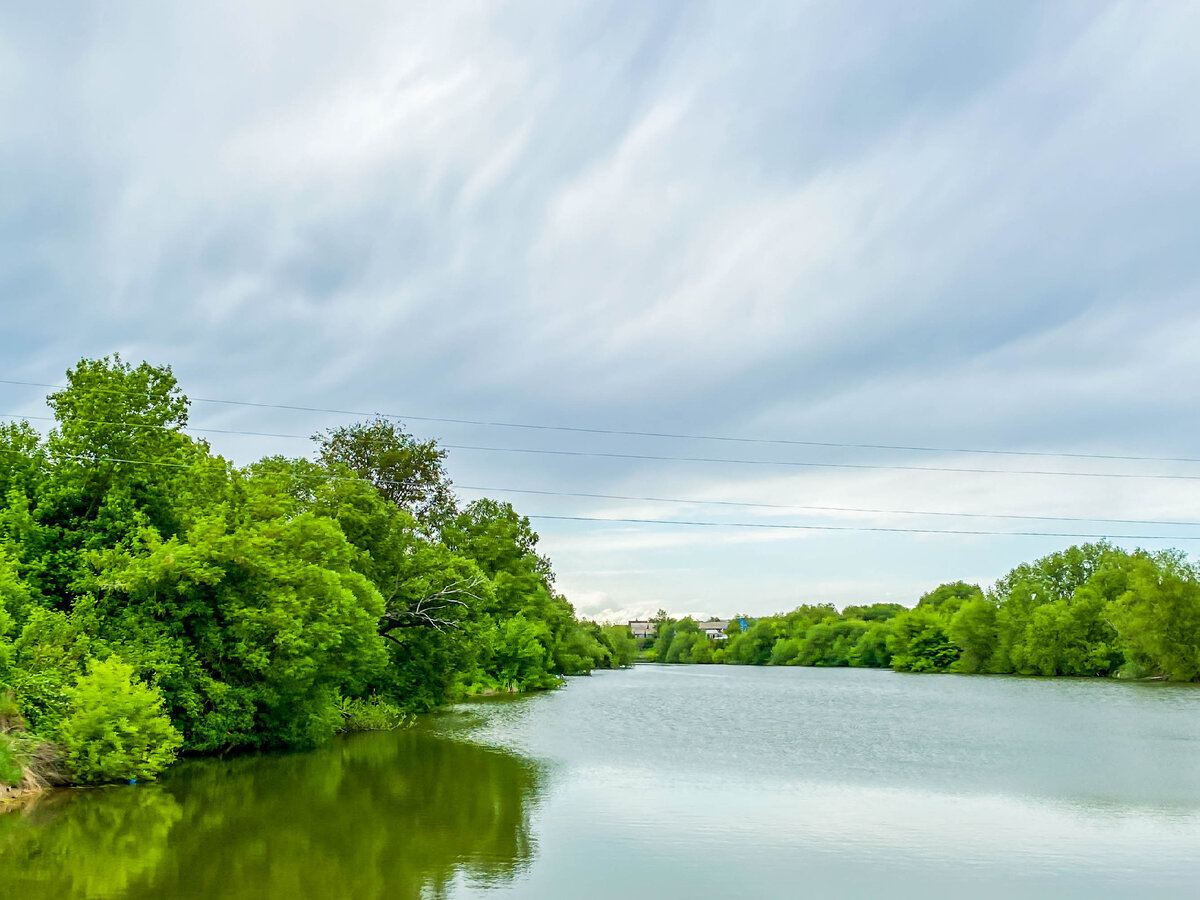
{"x": 381, "y": 815}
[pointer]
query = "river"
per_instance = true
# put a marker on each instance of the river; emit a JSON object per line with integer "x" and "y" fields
{"x": 671, "y": 783}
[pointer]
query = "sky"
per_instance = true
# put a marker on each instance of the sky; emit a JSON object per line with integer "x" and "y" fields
{"x": 955, "y": 225}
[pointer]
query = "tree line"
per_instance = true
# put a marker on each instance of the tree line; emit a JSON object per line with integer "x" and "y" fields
{"x": 155, "y": 598}
{"x": 1089, "y": 610}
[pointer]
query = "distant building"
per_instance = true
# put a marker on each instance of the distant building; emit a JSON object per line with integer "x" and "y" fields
{"x": 714, "y": 630}
{"x": 642, "y": 629}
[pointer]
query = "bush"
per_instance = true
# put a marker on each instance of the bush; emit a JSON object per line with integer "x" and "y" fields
{"x": 375, "y": 714}
{"x": 10, "y": 711}
{"x": 11, "y": 770}
{"x": 115, "y": 728}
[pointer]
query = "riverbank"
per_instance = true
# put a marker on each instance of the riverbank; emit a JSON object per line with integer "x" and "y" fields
{"x": 13, "y": 797}
{"x": 41, "y": 766}
{"x": 36, "y": 765}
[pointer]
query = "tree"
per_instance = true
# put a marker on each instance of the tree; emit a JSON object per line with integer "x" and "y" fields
{"x": 919, "y": 641}
{"x": 254, "y": 629}
{"x": 830, "y": 643}
{"x": 406, "y": 472}
{"x": 577, "y": 651}
{"x": 753, "y": 647}
{"x": 501, "y": 541}
{"x": 871, "y": 650}
{"x": 1069, "y": 637}
{"x": 621, "y": 644}
{"x": 973, "y": 631}
{"x": 947, "y": 598}
{"x": 119, "y": 461}
{"x": 521, "y": 659}
{"x": 261, "y": 602}
{"x": 1045, "y": 623}
{"x": 875, "y": 612}
{"x": 1158, "y": 619}
{"x": 116, "y": 728}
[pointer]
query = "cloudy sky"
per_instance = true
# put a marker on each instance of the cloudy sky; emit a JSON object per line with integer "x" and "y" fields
{"x": 940, "y": 225}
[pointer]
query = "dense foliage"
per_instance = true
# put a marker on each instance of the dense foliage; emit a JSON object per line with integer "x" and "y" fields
{"x": 116, "y": 728}
{"x": 145, "y": 578}
{"x": 1091, "y": 610}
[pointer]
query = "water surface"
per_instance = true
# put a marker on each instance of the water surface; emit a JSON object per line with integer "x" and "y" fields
{"x": 672, "y": 782}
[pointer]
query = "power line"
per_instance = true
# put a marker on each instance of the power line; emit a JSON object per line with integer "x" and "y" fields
{"x": 770, "y": 525}
{"x": 711, "y": 459}
{"x": 173, "y": 429}
{"x": 819, "y": 465}
{"x": 680, "y": 500}
{"x": 779, "y": 525}
{"x": 651, "y": 434}
{"x": 843, "y": 509}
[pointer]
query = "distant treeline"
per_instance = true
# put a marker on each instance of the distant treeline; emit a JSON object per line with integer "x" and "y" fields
{"x": 155, "y": 597}
{"x": 1091, "y": 610}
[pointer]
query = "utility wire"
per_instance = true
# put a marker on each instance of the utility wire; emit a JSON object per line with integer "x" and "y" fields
{"x": 175, "y": 429}
{"x": 779, "y": 525}
{"x": 682, "y": 500}
{"x": 652, "y": 434}
{"x": 726, "y": 460}
{"x": 819, "y": 465}
{"x": 770, "y": 525}
{"x": 842, "y": 509}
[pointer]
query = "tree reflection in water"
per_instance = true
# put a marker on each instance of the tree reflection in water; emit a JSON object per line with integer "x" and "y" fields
{"x": 378, "y": 815}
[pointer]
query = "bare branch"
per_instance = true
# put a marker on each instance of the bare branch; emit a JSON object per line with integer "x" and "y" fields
{"x": 428, "y": 610}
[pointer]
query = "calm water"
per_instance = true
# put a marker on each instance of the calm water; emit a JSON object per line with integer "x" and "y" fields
{"x": 672, "y": 782}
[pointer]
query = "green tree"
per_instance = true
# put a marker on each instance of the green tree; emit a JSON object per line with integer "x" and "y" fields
{"x": 753, "y": 647}
{"x": 521, "y": 660}
{"x": 948, "y": 598}
{"x": 871, "y": 649}
{"x": 830, "y": 643}
{"x": 577, "y": 651}
{"x": 267, "y": 601}
{"x": 116, "y": 728}
{"x": 875, "y": 612}
{"x": 920, "y": 643}
{"x": 973, "y": 630}
{"x": 253, "y": 630}
{"x": 621, "y": 644}
{"x": 408, "y": 473}
{"x": 1158, "y": 619}
{"x": 785, "y": 651}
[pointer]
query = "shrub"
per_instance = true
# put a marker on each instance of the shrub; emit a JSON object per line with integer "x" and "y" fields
{"x": 10, "y": 711}
{"x": 11, "y": 770}
{"x": 375, "y": 714}
{"x": 115, "y": 728}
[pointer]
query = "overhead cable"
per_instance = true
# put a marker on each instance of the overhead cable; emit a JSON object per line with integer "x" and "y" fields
{"x": 731, "y": 460}
{"x": 791, "y": 527}
{"x": 768, "y": 525}
{"x": 650, "y": 434}
{"x": 840, "y": 509}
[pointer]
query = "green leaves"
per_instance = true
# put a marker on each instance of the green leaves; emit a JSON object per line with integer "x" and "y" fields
{"x": 1158, "y": 620}
{"x": 116, "y": 728}
{"x": 920, "y": 642}
{"x": 406, "y": 472}
{"x": 272, "y": 610}
{"x": 254, "y": 601}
